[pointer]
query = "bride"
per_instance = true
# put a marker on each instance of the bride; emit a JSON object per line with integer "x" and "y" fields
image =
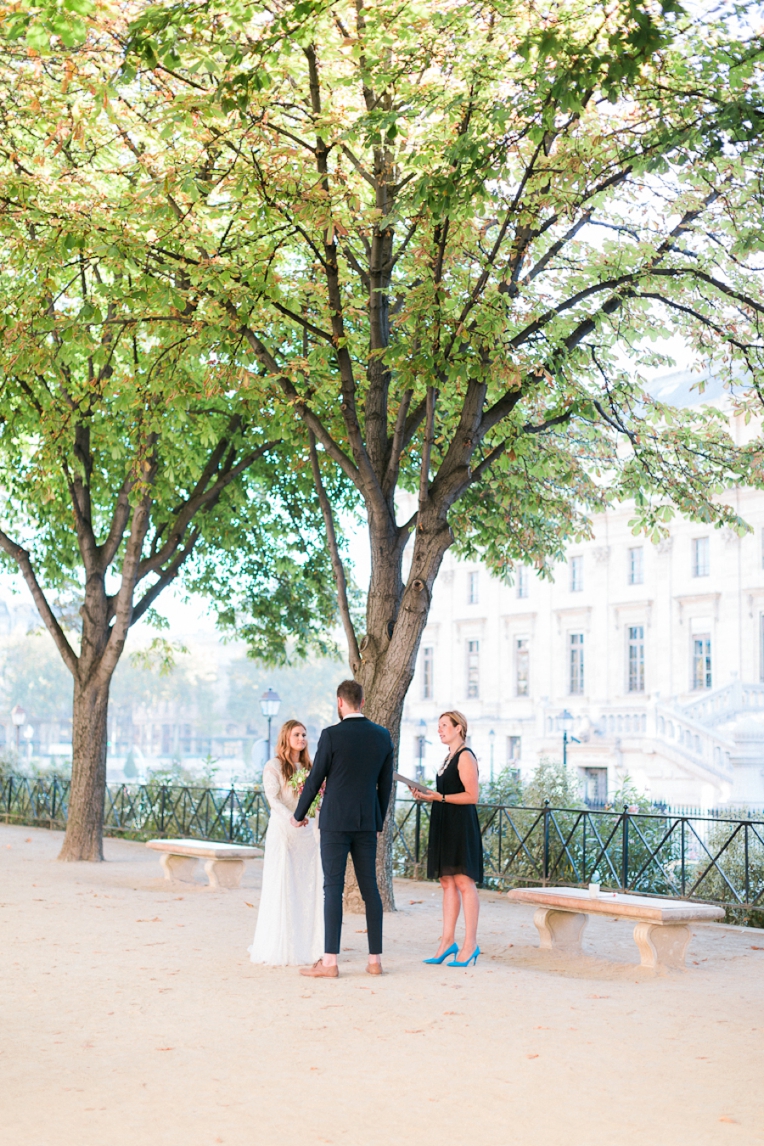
{"x": 290, "y": 921}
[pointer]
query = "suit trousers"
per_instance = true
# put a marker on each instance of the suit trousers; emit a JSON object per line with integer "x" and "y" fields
{"x": 335, "y": 849}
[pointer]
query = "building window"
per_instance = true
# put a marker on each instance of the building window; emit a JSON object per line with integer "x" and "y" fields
{"x": 522, "y": 666}
{"x": 636, "y": 566}
{"x": 701, "y": 661}
{"x": 472, "y": 588}
{"x": 473, "y": 669}
{"x": 428, "y": 665}
{"x": 636, "y": 658}
{"x": 513, "y": 750}
{"x": 595, "y": 786}
{"x": 700, "y": 558}
{"x": 576, "y": 663}
{"x": 576, "y": 574}
{"x": 420, "y": 749}
{"x": 522, "y": 581}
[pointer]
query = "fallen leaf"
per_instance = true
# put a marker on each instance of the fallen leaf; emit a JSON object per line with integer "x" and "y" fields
{"x": 28, "y": 840}
{"x": 531, "y": 1056}
{"x": 755, "y": 948}
{"x": 360, "y": 930}
{"x": 248, "y": 904}
{"x": 414, "y": 1032}
{"x": 726, "y": 1118}
{"x": 413, "y": 901}
{"x": 165, "y": 1048}
{"x": 598, "y": 996}
{"x": 542, "y": 1028}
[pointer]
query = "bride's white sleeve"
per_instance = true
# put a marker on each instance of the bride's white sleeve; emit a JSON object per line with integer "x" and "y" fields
{"x": 273, "y": 793}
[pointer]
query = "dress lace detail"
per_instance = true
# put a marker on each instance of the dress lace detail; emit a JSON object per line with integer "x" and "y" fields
{"x": 290, "y": 926}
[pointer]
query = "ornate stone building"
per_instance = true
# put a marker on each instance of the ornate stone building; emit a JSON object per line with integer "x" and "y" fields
{"x": 657, "y": 652}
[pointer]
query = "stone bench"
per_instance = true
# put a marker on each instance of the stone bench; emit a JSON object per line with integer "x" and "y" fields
{"x": 224, "y": 862}
{"x": 661, "y": 929}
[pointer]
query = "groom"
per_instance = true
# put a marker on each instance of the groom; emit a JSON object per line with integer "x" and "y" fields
{"x": 355, "y": 758}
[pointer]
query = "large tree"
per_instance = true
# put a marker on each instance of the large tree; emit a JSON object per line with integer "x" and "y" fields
{"x": 445, "y": 233}
{"x": 133, "y": 450}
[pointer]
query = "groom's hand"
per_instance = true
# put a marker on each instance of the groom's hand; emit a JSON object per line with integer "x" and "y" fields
{"x": 297, "y": 823}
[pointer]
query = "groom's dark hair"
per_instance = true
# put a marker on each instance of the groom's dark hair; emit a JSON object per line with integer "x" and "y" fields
{"x": 351, "y": 692}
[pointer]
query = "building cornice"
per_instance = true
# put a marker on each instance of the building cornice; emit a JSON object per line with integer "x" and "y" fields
{"x": 685, "y": 599}
{"x": 644, "y": 606}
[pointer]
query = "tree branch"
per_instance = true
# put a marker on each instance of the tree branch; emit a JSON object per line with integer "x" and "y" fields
{"x": 354, "y": 655}
{"x": 166, "y": 577}
{"x": 429, "y": 438}
{"x": 120, "y": 517}
{"x": 24, "y": 562}
{"x": 311, "y": 420}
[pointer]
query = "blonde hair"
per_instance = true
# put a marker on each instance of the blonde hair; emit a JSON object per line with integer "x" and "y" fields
{"x": 457, "y": 718}
{"x": 283, "y": 751}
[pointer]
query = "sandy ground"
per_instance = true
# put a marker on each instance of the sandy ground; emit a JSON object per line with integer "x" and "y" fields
{"x": 130, "y": 1014}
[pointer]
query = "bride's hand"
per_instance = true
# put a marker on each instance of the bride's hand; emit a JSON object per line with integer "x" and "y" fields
{"x": 297, "y": 823}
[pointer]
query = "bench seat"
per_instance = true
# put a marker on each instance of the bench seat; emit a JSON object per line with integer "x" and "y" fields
{"x": 224, "y": 863}
{"x": 661, "y": 930}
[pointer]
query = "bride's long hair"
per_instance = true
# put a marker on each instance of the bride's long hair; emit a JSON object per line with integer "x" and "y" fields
{"x": 283, "y": 756}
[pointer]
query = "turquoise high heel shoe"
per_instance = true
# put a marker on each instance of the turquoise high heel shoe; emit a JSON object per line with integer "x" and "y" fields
{"x": 472, "y": 959}
{"x": 452, "y": 950}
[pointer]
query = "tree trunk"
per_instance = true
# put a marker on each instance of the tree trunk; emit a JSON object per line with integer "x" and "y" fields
{"x": 396, "y": 617}
{"x": 84, "y": 826}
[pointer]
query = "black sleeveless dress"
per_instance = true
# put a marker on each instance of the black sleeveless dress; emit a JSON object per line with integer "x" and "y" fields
{"x": 455, "y": 846}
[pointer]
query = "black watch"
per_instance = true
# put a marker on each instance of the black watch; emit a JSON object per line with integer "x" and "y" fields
{"x": 443, "y": 798}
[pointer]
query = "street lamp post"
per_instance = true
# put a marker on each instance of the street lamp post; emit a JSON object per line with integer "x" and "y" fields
{"x": 491, "y": 740}
{"x": 28, "y": 734}
{"x": 270, "y": 703}
{"x": 565, "y": 722}
{"x": 18, "y": 716}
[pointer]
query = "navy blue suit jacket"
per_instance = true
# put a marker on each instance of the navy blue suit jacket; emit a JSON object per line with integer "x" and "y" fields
{"x": 355, "y": 758}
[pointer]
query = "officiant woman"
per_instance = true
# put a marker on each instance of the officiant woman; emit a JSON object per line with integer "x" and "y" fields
{"x": 455, "y": 850}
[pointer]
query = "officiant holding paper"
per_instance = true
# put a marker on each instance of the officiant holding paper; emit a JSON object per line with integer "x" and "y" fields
{"x": 455, "y": 847}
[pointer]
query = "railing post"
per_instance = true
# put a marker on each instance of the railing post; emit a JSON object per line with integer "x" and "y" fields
{"x": 161, "y": 807}
{"x": 230, "y": 819}
{"x": 53, "y": 801}
{"x": 625, "y": 849}
{"x": 583, "y": 851}
{"x": 747, "y": 869}
{"x": 417, "y": 831}
{"x": 546, "y": 841}
{"x": 683, "y": 851}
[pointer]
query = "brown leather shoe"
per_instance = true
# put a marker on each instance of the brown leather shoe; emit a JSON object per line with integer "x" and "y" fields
{"x": 373, "y": 968}
{"x": 319, "y": 971}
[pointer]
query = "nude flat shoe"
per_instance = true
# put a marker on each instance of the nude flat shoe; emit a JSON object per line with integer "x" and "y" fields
{"x": 319, "y": 971}
{"x": 373, "y": 968}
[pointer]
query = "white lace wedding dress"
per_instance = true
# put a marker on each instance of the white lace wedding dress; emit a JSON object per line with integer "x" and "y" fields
{"x": 290, "y": 921}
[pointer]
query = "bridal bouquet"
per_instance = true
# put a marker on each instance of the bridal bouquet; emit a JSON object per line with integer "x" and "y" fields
{"x": 297, "y": 783}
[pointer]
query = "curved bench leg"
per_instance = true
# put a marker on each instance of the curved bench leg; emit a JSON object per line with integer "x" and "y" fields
{"x": 224, "y": 873}
{"x": 560, "y": 930}
{"x": 180, "y": 869}
{"x": 662, "y": 944}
